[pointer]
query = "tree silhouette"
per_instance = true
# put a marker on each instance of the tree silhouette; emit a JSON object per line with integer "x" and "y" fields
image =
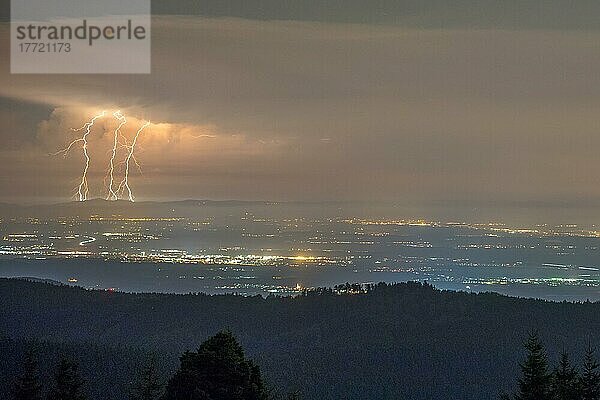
{"x": 535, "y": 382}
{"x": 565, "y": 380}
{"x": 68, "y": 384}
{"x": 590, "y": 377}
{"x": 294, "y": 396}
{"x": 148, "y": 386}
{"x": 27, "y": 386}
{"x": 217, "y": 371}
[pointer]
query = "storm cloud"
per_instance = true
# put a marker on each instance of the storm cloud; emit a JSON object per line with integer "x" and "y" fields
{"x": 323, "y": 110}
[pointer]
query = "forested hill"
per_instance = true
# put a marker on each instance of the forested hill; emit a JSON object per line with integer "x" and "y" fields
{"x": 395, "y": 341}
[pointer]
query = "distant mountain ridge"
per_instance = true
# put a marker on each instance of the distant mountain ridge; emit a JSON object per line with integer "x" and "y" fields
{"x": 119, "y": 207}
{"x": 170, "y": 209}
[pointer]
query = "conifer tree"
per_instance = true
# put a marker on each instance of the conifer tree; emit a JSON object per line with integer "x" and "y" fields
{"x": 294, "y": 396}
{"x": 149, "y": 386}
{"x": 217, "y": 371}
{"x": 565, "y": 380}
{"x": 68, "y": 384}
{"x": 27, "y": 386}
{"x": 590, "y": 377}
{"x": 535, "y": 382}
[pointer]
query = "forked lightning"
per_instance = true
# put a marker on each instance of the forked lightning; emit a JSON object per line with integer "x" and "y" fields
{"x": 123, "y": 190}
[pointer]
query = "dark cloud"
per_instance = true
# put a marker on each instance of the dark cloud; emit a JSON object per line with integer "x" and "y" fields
{"x": 19, "y": 121}
{"x": 306, "y": 110}
{"x": 555, "y": 14}
{"x": 523, "y": 14}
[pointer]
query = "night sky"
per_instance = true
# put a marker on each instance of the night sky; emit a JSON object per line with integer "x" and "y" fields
{"x": 405, "y": 101}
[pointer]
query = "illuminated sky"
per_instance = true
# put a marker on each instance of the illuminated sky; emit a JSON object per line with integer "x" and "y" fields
{"x": 410, "y": 101}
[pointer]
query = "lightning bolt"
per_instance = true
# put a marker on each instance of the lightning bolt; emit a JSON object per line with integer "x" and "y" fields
{"x": 66, "y": 150}
{"x": 112, "y": 195}
{"x": 82, "y": 189}
{"x": 124, "y": 186}
{"x": 119, "y": 142}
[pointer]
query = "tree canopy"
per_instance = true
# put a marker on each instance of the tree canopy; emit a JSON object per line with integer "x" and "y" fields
{"x": 218, "y": 370}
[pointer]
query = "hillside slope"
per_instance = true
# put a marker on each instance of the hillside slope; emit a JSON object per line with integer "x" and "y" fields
{"x": 397, "y": 341}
